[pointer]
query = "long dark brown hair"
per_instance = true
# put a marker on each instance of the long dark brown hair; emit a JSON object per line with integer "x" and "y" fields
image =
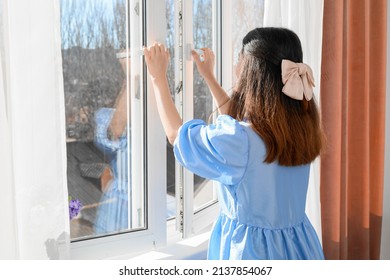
{"x": 290, "y": 128}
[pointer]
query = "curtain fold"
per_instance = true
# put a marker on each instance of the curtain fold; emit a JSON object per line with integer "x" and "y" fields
{"x": 32, "y": 128}
{"x": 353, "y": 88}
{"x": 8, "y": 241}
{"x": 304, "y": 17}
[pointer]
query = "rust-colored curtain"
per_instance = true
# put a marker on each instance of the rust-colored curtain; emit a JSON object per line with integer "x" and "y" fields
{"x": 353, "y": 88}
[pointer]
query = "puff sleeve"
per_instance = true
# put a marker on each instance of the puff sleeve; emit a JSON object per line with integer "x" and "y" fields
{"x": 217, "y": 151}
{"x": 103, "y": 118}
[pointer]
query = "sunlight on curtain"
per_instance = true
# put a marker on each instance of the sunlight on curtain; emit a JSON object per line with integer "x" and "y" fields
{"x": 304, "y": 17}
{"x": 32, "y": 143}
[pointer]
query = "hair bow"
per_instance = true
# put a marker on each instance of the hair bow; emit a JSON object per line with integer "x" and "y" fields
{"x": 297, "y": 79}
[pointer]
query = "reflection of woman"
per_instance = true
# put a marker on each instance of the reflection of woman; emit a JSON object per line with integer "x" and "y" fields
{"x": 111, "y": 139}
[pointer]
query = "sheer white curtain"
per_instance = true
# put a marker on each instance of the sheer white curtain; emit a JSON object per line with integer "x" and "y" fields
{"x": 8, "y": 244}
{"x": 304, "y": 17}
{"x": 33, "y": 201}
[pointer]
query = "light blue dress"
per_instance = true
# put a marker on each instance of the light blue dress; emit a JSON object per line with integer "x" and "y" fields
{"x": 262, "y": 206}
{"x": 112, "y": 213}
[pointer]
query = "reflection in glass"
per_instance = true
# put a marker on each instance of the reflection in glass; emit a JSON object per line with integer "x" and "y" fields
{"x": 111, "y": 139}
{"x": 97, "y": 125}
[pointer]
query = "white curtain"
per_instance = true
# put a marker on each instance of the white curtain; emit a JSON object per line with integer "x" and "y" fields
{"x": 304, "y": 17}
{"x": 8, "y": 244}
{"x": 33, "y": 202}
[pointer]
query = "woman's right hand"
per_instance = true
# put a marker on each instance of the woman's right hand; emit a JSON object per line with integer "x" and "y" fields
{"x": 206, "y": 65}
{"x": 157, "y": 60}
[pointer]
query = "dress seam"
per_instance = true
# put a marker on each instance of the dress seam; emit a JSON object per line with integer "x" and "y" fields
{"x": 247, "y": 157}
{"x": 261, "y": 227}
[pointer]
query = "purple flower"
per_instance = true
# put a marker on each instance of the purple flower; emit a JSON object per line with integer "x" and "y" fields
{"x": 74, "y": 208}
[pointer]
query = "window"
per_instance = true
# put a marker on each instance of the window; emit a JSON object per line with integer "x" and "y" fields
{"x": 203, "y": 29}
{"x": 190, "y": 25}
{"x": 120, "y": 165}
{"x": 248, "y": 14}
{"x": 104, "y": 127}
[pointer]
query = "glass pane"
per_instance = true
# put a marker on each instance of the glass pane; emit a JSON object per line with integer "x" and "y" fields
{"x": 97, "y": 98}
{"x": 247, "y": 14}
{"x": 170, "y": 43}
{"x": 203, "y": 101}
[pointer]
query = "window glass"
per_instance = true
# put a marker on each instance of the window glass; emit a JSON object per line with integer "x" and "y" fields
{"x": 98, "y": 128}
{"x": 247, "y": 15}
{"x": 203, "y": 101}
{"x": 170, "y": 43}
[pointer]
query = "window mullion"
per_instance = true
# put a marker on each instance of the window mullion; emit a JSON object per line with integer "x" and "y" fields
{"x": 178, "y": 62}
{"x": 217, "y": 37}
{"x": 184, "y": 102}
{"x": 136, "y": 113}
{"x": 155, "y": 31}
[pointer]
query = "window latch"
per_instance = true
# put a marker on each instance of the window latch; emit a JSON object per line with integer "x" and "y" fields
{"x": 179, "y": 87}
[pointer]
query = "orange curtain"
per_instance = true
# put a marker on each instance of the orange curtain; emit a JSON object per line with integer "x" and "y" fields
{"x": 353, "y": 88}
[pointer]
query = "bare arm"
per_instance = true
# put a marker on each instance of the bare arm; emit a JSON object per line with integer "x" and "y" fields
{"x": 157, "y": 59}
{"x": 206, "y": 70}
{"x": 119, "y": 119}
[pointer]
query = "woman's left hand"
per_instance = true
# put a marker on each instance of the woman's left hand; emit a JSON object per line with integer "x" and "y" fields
{"x": 205, "y": 67}
{"x": 157, "y": 60}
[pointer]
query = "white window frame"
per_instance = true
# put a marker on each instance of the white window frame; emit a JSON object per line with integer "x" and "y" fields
{"x": 188, "y": 222}
{"x": 206, "y": 216}
{"x": 154, "y": 235}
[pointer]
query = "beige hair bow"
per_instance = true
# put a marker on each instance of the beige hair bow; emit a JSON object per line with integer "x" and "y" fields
{"x": 297, "y": 79}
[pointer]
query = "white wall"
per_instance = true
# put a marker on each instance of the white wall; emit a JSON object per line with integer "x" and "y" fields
{"x": 385, "y": 249}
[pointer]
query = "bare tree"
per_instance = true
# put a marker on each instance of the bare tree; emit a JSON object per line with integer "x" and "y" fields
{"x": 120, "y": 24}
{"x": 91, "y": 36}
{"x": 170, "y": 42}
{"x": 203, "y": 37}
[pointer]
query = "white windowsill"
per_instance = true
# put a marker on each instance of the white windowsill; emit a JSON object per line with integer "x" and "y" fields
{"x": 193, "y": 248}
